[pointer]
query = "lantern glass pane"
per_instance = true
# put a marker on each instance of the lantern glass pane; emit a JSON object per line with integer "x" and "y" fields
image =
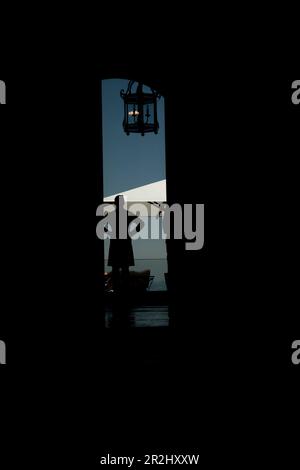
{"x": 133, "y": 114}
{"x": 149, "y": 113}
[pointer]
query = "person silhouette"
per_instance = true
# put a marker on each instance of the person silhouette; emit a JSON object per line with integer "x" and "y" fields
{"x": 121, "y": 256}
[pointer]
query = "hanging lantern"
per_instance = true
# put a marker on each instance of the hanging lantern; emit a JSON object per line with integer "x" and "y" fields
{"x": 140, "y": 110}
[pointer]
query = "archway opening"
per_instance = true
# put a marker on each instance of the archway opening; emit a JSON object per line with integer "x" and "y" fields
{"x": 135, "y": 166}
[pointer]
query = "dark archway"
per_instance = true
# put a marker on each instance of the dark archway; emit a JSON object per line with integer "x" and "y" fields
{"x": 187, "y": 270}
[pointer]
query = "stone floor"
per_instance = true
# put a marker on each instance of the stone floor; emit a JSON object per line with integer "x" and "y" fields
{"x": 145, "y": 316}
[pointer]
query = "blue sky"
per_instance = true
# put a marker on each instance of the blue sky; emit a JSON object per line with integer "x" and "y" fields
{"x": 129, "y": 161}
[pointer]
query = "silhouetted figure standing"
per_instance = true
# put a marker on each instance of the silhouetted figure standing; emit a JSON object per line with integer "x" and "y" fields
{"x": 120, "y": 252}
